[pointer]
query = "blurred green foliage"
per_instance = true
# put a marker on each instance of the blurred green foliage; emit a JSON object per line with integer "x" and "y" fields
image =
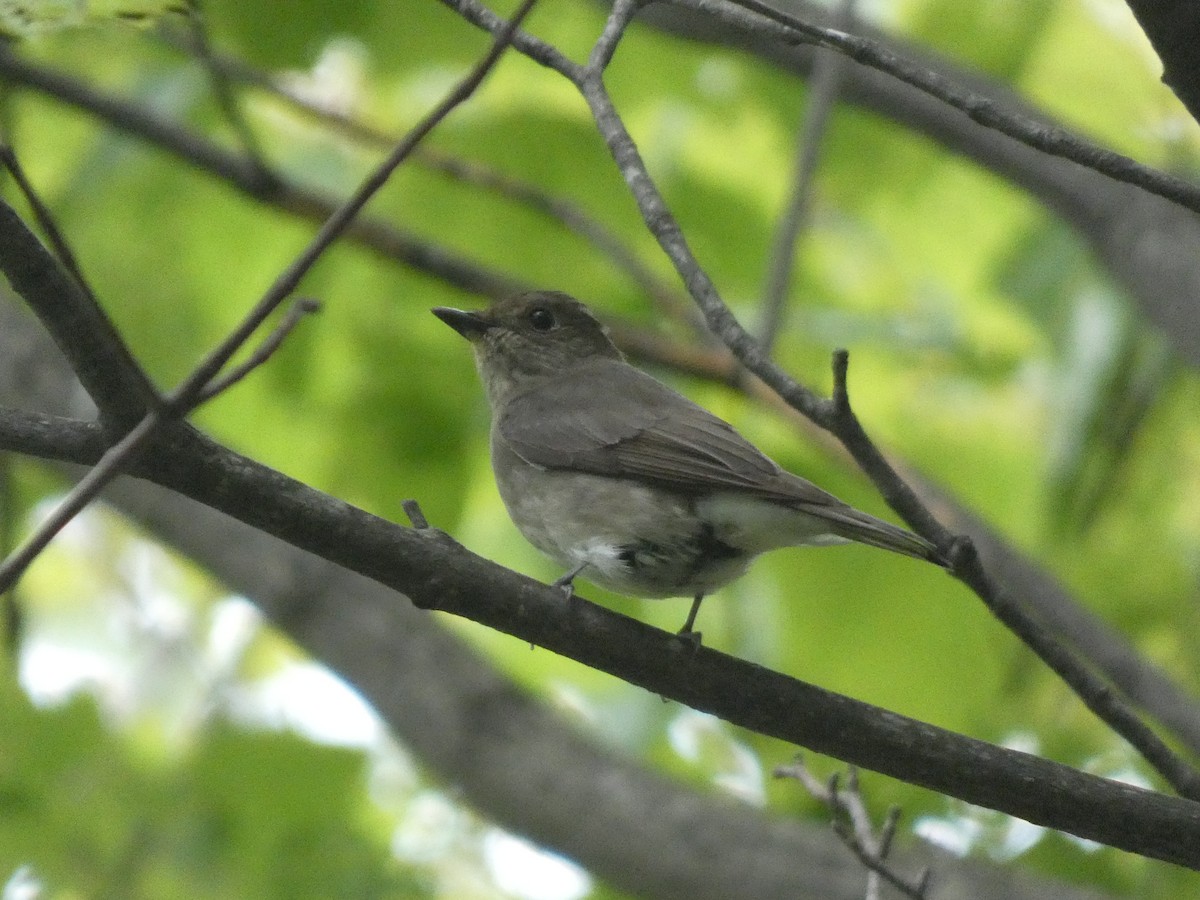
{"x": 241, "y": 814}
{"x": 988, "y": 349}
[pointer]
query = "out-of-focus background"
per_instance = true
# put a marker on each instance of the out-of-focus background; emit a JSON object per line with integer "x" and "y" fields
{"x": 158, "y": 740}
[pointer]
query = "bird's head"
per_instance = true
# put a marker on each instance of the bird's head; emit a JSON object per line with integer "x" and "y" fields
{"x": 529, "y": 338}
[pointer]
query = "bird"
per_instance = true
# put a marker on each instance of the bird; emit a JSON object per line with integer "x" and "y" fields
{"x": 618, "y": 477}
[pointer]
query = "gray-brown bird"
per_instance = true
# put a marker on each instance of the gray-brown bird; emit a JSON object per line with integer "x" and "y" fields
{"x": 614, "y": 475}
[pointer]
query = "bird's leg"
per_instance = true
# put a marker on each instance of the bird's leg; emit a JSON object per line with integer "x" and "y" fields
{"x": 567, "y": 581}
{"x": 686, "y": 632}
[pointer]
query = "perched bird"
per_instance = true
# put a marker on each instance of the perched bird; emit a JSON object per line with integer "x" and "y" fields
{"x": 612, "y": 474}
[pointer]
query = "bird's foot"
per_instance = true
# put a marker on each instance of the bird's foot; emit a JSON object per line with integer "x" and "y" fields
{"x": 566, "y": 582}
{"x": 691, "y": 638}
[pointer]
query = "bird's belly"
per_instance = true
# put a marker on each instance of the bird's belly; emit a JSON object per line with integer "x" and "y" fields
{"x": 635, "y": 539}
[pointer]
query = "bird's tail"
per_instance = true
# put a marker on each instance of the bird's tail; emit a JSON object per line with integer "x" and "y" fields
{"x": 853, "y": 525}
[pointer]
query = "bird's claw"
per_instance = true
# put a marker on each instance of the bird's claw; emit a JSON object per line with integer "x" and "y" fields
{"x": 566, "y": 581}
{"x": 692, "y": 639}
{"x": 566, "y": 585}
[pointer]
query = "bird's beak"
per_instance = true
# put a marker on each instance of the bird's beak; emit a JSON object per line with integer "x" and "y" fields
{"x": 470, "y": 325}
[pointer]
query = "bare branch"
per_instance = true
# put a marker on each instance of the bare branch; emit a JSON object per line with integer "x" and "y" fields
{"x": 415, "y": 514}
{"x": 605, "y": 46}
{"x": 528, "y": 45}
{"x": 265, "y": 350}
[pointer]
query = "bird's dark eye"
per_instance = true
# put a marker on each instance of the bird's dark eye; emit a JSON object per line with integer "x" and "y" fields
{"x": 542, "y": 319}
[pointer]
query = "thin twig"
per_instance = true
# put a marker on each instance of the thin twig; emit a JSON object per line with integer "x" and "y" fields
{"x": 917, "y": 889}
{"x": 665, "y": 229}
{"x": 823, "y": 90}
{"x": 415, "y": 514}
{"x": 852, "y": 823}
{"x": 185, "y": 397}
{"x": 297, "y": 311}
{"x": 533, "y": 47}
{"x": 341, "y": 218}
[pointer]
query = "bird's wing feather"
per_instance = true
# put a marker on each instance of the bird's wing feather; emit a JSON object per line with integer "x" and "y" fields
{"x": 637, "y": 427}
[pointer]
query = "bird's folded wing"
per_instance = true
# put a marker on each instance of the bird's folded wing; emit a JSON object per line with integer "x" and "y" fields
{"x": 608, "y": 418}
